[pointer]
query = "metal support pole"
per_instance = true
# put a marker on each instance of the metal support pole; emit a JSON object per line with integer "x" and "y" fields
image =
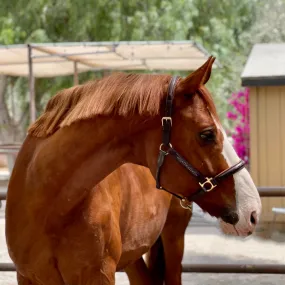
{"x": 106, "y": 72}
{"x": 31, "y": 86}
{"x": 75, "y": 75}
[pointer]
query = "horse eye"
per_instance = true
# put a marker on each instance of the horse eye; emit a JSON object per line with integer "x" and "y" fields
{"x": 208, "y": 136}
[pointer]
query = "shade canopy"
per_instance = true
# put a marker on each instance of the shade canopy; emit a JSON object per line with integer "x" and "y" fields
{"x": 57, "y": 59}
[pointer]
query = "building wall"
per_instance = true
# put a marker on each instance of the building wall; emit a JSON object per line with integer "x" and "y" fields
{"x": 267, "y": 142}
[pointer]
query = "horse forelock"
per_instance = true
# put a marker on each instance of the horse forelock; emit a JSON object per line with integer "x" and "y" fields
{"x": 208, "y": 99}
{"x": 119, "y": 94}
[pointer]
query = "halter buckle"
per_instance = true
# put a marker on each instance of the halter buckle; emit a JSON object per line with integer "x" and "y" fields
{"x": 208, "y": 185}
{"x": 186, "y": 204}
{"x": 164, "y": 119}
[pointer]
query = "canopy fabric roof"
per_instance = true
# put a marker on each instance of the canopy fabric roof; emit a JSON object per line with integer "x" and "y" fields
{"x": 57, "y": 59}
{"x": 265, "y": 65}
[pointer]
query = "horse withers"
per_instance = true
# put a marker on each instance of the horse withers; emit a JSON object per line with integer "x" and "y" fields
{"x": 88, "y": 131}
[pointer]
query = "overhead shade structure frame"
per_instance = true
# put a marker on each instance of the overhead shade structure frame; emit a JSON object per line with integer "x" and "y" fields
{"x": 60, "y": 59}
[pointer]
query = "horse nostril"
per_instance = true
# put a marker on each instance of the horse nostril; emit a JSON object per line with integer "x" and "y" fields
{"x": 230, "y": 217}
{"x": 253, "y": 218}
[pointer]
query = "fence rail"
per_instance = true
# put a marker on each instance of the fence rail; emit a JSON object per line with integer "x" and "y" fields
{"x": 206, "y": 268}
{"x": 269, "y": 191}
{"x": 234, "y": 268}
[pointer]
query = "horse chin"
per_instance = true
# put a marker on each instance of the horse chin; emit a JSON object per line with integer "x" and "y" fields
{"x": 231, "y": 230}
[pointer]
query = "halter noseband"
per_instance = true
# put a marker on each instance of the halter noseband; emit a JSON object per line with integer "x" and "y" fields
{"x": 207, "y": 184}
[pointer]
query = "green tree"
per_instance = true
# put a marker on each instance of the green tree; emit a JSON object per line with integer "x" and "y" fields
{"x": 225, "y": 28}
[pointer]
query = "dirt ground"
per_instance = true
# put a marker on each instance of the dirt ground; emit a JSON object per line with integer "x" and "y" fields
{"x": 203, "y": 245}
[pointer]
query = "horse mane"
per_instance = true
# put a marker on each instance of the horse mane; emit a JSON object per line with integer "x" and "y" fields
{"x": 118, "y": 94}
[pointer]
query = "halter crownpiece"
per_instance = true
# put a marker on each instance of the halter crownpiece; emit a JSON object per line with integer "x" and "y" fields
{"x": 207, "y": 184}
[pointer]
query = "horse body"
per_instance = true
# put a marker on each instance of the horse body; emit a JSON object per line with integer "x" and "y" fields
{"x": 45, "y": 181}
{"x": 124, "y": 213}
{"x": 64, "y": 227}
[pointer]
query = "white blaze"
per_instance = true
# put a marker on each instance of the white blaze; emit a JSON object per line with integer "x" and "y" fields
{"x": 247, "y": 197}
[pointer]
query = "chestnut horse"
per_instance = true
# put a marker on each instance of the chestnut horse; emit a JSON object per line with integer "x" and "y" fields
{"x": 76, "y": 143}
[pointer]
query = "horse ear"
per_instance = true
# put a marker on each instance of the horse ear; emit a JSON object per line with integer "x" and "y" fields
{"x": 193, "y": 81}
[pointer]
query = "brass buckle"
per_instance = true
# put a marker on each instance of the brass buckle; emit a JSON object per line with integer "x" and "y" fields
{"x": 209, "y": 185}
{"x": 186, "y": 204}
{"x": 166, "y": 119}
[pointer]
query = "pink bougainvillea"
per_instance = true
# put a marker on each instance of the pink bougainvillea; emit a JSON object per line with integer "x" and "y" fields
{"x": 240, "y": 116}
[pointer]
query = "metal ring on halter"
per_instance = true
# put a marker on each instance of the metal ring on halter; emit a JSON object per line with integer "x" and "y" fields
{"x": 165, "y": 152}
{"x": 186, "y": 204}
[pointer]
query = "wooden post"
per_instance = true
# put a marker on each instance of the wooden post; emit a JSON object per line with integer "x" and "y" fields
{"x": 31, "y": 86}
{"x": 75, "y": 75}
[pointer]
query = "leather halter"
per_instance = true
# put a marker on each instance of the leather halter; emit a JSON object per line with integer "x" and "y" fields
{"x": 207, "y": 184}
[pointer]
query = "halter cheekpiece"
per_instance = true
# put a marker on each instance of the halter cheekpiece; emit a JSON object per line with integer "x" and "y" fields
{"x": 207, "y": 184}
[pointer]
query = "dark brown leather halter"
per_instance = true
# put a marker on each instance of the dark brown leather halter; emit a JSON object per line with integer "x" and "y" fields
{"x": 207, "y": 184}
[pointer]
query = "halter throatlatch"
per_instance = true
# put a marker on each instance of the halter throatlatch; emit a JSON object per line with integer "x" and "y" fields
{"x": 207, "y": 184}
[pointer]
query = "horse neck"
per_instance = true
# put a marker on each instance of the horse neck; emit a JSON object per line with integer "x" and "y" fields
{"x": 86, "y": 152}
{"x": 71, "y": 162}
